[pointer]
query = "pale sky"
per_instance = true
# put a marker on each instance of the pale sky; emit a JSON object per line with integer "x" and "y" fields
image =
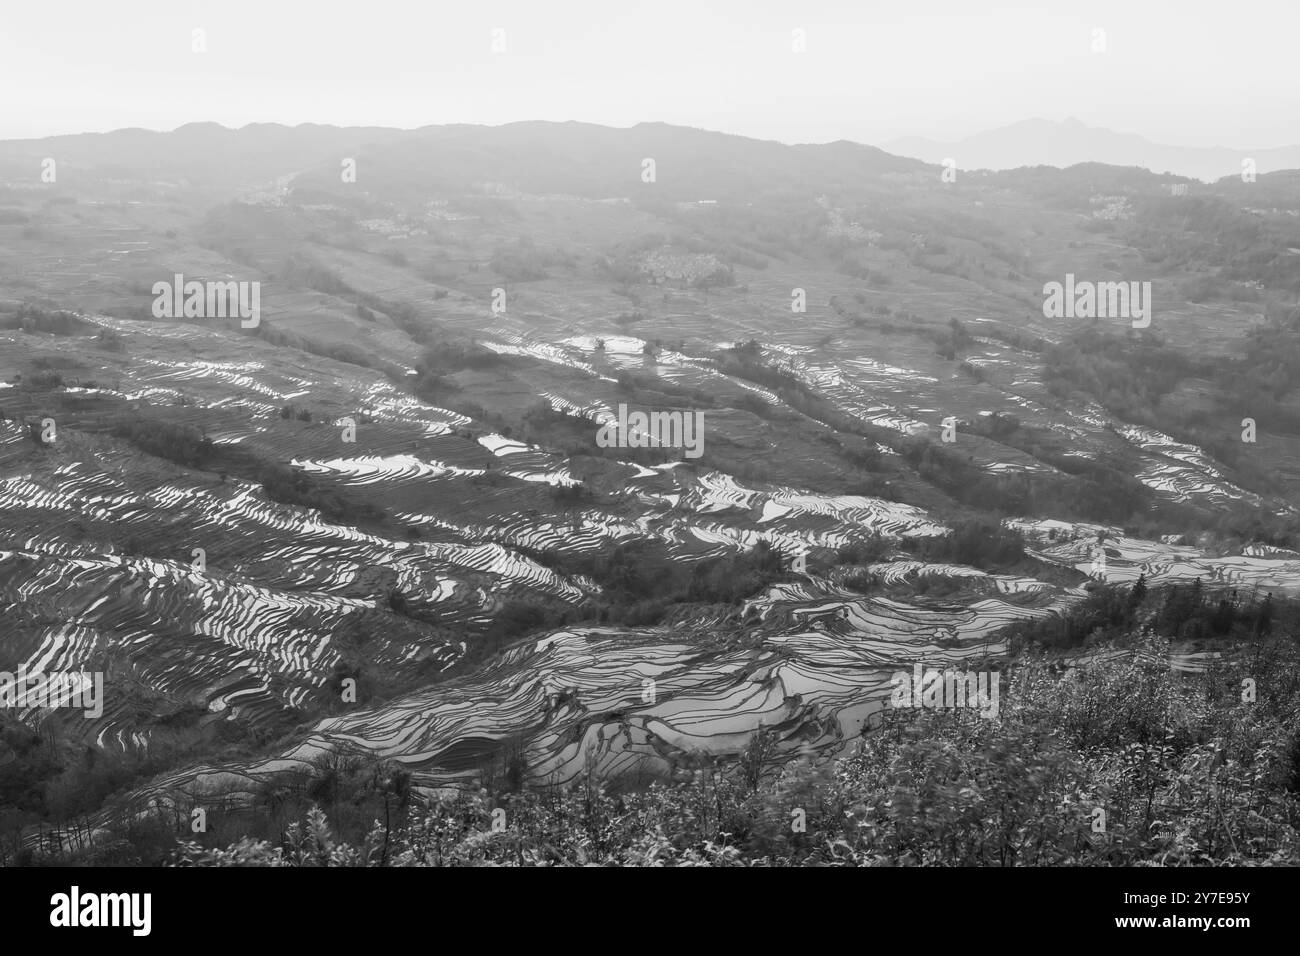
{"x": 1190, "y": 73}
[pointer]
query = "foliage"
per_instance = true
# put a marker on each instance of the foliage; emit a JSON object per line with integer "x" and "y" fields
{"x": 291, "y": 486}
{"x": 182, "y": 444}
{"x": 979, "y": 543}
{"x": 1184, "y": 771}
{"x": 41, "y": 321}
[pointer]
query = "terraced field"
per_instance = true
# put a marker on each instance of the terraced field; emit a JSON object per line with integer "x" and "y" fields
{"x": 380, "y": 523}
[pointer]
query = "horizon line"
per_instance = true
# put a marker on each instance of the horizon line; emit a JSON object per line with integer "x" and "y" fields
{"x": 575, "y": 122}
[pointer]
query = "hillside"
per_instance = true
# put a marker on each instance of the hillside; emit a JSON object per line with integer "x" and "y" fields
{"x": 375, "y": 522}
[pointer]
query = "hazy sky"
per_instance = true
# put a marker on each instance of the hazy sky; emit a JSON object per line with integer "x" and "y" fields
{"x": 1193, "y": 73}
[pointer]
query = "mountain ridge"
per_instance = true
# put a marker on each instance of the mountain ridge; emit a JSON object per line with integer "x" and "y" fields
{"x": 1042, "y": 142}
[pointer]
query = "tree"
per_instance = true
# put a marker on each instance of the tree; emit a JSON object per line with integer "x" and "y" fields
{"x": 1264, "y": 622}
{"x": 1138, "y": 593}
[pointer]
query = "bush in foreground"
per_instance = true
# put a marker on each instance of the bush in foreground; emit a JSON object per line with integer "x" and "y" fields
{"x": 1179, "y": 769}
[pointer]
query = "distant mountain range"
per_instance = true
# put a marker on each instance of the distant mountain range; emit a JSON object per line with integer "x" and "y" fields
{"x": 538, "y": 157}
{"x": 1040, "y": 142}
{"x": 592, "y": 160}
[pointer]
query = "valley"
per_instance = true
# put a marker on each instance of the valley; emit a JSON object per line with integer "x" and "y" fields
{"x": 379, "y": 522}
